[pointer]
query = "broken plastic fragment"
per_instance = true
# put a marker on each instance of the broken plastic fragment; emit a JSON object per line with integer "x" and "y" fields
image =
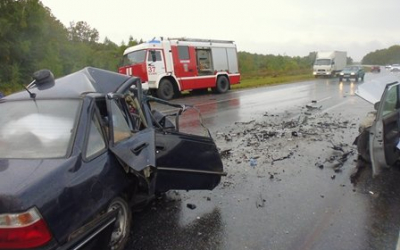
{"x": 191, "y": 206}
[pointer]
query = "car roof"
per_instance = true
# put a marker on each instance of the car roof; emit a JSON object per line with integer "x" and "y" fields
{"x": 77, "y": 84}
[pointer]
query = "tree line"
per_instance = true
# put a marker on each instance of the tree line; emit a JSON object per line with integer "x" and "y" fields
{"x": 32, "y": 38}
{"x": 390, "y": 55}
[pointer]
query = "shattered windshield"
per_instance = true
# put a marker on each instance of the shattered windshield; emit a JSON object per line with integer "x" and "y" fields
{"x": 37, "y": 129}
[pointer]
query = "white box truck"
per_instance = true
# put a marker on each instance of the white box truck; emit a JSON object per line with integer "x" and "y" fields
{"x": 329, "y": 63}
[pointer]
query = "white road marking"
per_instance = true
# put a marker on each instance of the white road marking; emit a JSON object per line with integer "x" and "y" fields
{"x": 335, "y": 106}
{"x": 324, "y": 99}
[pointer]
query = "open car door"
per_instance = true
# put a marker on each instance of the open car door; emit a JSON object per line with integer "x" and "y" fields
{"x": 180, "y": 161}
{"x": 187, "y": 162}
{"x": 385, "y": 132}
{"x": 184, "y": 160}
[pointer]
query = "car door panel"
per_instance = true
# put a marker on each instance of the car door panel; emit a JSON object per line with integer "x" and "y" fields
{"x": 187, "y": 162}
{"x": 137, "y": 152}
{"x": 391, "y": 138}
{"x": 384, "y": 133}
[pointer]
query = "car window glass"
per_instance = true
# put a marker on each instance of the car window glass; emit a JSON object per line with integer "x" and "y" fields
{"x": 391, "y": 102}
{"x": 121, "y": 128}
{"x": 96, "y": 142}
{"x": 157, "y": 54}
{"x": 183, "y": 52}
{"x": 133, "y": 58}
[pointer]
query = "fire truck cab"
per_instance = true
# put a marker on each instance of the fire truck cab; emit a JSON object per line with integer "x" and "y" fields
{"x": 167, "y": 67}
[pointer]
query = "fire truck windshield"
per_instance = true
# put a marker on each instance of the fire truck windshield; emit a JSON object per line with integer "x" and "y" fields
{"x": 134, "y": 57}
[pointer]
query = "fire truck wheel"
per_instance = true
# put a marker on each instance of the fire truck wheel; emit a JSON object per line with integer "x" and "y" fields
{"x": 222, "y": 85}
{"x": 165, "y": 90}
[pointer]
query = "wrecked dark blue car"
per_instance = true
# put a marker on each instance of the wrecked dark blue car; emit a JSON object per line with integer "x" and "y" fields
{"x": 77, "y": 153}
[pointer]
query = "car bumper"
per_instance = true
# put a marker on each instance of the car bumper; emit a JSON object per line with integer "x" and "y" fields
{"x": 348, "y": 76}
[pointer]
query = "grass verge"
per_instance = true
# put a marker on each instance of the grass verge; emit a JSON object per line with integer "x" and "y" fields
{"x": 255, "y": 82}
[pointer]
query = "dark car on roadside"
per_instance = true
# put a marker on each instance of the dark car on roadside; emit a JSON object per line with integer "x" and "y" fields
{"x": 352, "y": 72}
{"x": 78, "y": 153}
{"x": 375, "y": 69}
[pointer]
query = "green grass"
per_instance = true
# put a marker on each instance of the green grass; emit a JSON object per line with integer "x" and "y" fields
{"x": 9, "y": 88}
{"x": 254, "y": 82}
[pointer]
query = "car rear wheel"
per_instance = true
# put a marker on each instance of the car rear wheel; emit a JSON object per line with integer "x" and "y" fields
{"x": 122, "y": 225}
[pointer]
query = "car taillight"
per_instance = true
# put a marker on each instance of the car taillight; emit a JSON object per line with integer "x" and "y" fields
{"x": 23, "y": 230}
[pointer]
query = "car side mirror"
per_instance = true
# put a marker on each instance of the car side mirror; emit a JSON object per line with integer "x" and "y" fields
{"x": 376, "y": 105}
{"x": 43, "y": 79}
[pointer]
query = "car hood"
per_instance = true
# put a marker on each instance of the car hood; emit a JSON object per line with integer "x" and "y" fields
{"x": 22, "y": 182}
{"x": 372, "y": 91}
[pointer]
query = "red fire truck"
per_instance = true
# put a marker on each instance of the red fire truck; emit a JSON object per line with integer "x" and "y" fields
{"x": 169, "y": 66}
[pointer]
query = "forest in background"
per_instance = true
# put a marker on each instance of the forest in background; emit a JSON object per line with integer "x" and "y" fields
{"x": 32, "y": 38}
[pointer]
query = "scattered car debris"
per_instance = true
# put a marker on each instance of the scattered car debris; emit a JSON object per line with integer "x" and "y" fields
{"x": 245, "y": 123}
{"x": 337, "y": 147}
{"x": 313, "y": 108}
{"x": 283, "y": 158}
{"x": 276, "y": 138}
{"x": 191, "y": 206}
{"x": 253, "y": 162}
{"x": 225, "y": 153}
{"x": 260, "y": 202}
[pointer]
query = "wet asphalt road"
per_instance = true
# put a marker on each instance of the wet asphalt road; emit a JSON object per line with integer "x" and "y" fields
{"x": 303, "y": 193}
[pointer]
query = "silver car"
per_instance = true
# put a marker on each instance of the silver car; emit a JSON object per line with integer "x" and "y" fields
{"x": 378, "y": 141}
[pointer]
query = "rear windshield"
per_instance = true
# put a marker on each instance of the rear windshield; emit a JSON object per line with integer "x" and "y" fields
{"x": 37, "y": 129}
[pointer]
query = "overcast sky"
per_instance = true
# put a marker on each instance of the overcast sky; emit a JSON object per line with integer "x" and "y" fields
{"x": 279, "y": 27}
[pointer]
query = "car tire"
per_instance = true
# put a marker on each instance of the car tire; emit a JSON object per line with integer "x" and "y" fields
{"x": 122, "y": 225}
{"x": 166, "y": 90}
{"x": 363, "y": 146}
{"x": 222, "y": 85}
